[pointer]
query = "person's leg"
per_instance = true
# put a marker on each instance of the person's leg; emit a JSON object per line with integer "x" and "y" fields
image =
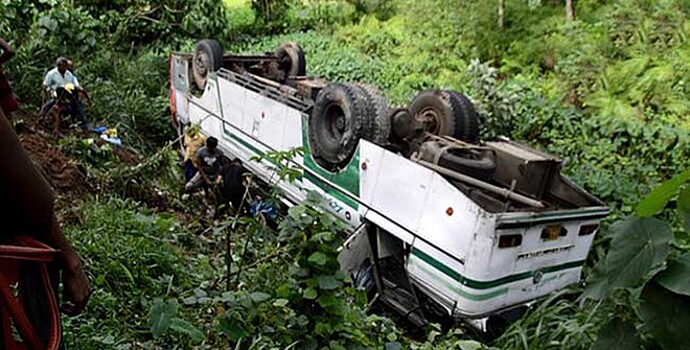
{"x": 212, "y": 192}
{"x": 189, "y": 170}
{"x": 47, "y": 107}
{"x": 223, "y": 203}
{"x": 5, "y": 114}
{"x": 56, "y": 121}
{"x": 194, "y": 184}
{"x": 78, "y": 111}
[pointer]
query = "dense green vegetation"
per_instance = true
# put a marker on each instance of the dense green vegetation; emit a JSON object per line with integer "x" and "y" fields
{"x": 607, "y": 91}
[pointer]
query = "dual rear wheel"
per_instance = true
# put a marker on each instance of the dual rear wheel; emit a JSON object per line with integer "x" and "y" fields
{"x": 345, "y": 113}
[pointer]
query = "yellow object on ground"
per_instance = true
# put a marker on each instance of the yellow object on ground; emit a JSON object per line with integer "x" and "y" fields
{"x": 111, "y": 132}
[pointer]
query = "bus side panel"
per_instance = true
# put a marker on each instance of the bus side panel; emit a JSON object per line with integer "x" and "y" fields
{"x": 277, "y": 125}
{"x": 179, "y": 84}
{"x": 182, "y": 106}
{"x": 232, "y": 101}
{"x": 371, "y": 159}
{"x": 402, "y": 190}
{"x": 450, "y": 219}
{"x": 211, "y": 125}
{"x": 254, "y": 125}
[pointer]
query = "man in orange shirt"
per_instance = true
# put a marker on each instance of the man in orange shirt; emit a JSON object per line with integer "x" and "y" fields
{"x": 193, "y": 140}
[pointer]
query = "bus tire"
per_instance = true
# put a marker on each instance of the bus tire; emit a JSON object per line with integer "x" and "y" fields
{"x": 291, "y": 59}
{"x": 448, "y": 113}
{"x": 379, "y": 113}
{"x": 208, "y": 57}
{"x": 477, "y": 163}
{"x": 467, "y": 120}
{"x": 336, "y": 124}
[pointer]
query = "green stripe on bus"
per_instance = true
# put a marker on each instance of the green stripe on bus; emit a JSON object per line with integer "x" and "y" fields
{"x": 488, "y": 284}
{"x": 348, "y": 178}
{"x": 456, "y": 289}
{"x": 331, "y": 191}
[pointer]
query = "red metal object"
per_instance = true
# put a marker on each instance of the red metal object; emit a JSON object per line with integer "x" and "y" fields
{"x": 18, "y": 332}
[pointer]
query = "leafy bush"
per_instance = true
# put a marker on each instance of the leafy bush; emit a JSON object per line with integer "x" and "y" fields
{"x": 131, "y": 257}
{"x": 646, "y": 272}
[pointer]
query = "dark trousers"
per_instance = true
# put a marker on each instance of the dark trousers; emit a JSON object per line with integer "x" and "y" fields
{"x": 189, "y": 170}
{"x": 47, "y": 106}
{"x": 67, "y": 101}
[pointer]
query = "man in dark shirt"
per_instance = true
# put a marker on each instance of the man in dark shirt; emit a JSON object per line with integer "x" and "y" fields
{"x": 235, "y": 181}
{"x": 208, "y": 161}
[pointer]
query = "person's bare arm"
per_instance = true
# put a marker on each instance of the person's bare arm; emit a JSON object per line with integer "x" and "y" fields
{"x": 7, "y": 51}
{"x": 197, "y": 161}
{"x": 76, "y": 284}
{"x": 27, "y": 202}
{"x": 86, "y": 95}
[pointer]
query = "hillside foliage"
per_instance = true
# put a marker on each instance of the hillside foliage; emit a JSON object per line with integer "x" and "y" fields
{"x": 607, "y": 92}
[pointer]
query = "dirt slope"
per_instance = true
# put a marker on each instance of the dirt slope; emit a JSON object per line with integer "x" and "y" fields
{"x": 63, "y": 173}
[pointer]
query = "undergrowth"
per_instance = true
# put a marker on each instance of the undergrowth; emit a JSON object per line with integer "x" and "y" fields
{"x": 607, "y": 92}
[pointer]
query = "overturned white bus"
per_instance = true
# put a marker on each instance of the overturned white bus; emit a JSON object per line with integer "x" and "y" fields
{"x": 443, "y": 224}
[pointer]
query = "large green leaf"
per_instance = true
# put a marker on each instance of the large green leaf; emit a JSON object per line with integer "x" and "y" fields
{"x": 318, "y": 258}
{"x": 469, "y": 345}
{"x": 666, "y": 316}
{"x": 184, "y": 327}
{"x": 310, "y": 294}
{"x": 639, "y": 246}
{"x": 328, "y": 282}
{"x": 258, "y": 297}
{"x": 684, "y": 207}
{"x": 658, "y": 198}
{"x": 598, "y": 284}
{"x": 618, "y": 335}
{"x": 161, "y": 315}
{"x": 676, "y": 277}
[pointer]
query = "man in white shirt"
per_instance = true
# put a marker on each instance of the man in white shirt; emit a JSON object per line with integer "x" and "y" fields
{"x": 59, "y": 76}
{"x": 57, "y": 83}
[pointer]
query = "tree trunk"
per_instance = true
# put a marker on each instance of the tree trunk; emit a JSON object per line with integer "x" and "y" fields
{"x": 501, "y": 14}
{"x": 569, "y": 10}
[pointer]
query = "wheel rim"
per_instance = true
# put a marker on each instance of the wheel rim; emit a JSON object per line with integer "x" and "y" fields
{"x": 335, "y": 122}
{"x": 201, "y": 63}
{"x": 432, "y": 118}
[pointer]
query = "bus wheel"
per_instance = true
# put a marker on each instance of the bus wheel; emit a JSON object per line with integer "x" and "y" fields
{"x": 446, "y": 113}
{"x": 379, "y": 114}
{"x": 208, "y": 57}
{"x": 291, "y": 60}
{"x": 337, "y": 122}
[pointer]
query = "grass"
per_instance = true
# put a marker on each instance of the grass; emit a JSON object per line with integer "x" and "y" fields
{"x": 235, "y": 4}
{"x": 241, "y": 16}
